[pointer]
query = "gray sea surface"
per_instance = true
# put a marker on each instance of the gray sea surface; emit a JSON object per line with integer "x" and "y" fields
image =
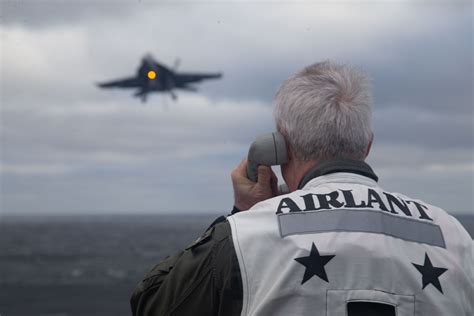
{"x": 89, "y": 265}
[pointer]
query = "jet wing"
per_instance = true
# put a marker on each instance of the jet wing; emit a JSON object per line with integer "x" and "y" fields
{"x": 132, "y": 82}
{"x": 183, "y": 78}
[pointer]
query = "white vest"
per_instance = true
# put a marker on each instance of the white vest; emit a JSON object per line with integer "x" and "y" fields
{"x": 313, "y": 251}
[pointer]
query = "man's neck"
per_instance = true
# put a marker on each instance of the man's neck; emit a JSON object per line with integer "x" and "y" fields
{"x": 296, "y": 170}
{"x": 338, "y": 165}
{"x": 298, "y": 173}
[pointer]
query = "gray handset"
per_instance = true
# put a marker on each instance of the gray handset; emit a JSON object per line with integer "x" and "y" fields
{"x": 267, "y": 149}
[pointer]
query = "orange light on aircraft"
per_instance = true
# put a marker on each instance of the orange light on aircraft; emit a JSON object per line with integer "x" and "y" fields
{"x": 151, "y": 74}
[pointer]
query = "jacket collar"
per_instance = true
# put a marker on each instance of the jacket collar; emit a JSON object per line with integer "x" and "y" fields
{"x": 338, "y": 165}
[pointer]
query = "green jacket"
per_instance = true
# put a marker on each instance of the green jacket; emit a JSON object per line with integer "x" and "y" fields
{"x": 203, "y": 279}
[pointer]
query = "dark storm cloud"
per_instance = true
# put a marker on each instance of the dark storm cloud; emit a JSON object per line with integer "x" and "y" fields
{"x": 56, "y": 13}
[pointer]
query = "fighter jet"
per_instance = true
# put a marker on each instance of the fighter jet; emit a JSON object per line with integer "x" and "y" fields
{"x": 153, "y": 76}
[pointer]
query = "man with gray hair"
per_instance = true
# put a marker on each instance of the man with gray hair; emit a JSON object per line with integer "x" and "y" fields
{"x": 337, "y": 244}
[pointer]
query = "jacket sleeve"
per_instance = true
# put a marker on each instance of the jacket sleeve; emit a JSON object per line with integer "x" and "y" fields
{"x": 203, "y": 279}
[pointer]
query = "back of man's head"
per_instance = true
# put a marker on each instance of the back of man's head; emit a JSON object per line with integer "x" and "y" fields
{"x": 324, "y": 112}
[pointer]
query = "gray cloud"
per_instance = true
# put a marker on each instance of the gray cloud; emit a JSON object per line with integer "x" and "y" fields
{"x": 56, "y": 13}
{"x": 431, "y": 129}
{"x": 64, "y": 141}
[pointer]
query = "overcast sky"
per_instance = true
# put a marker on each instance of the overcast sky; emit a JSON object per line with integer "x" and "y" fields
{"x": 69, "y": 147}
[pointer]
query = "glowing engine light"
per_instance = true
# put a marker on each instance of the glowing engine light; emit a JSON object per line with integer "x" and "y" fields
{"x": 151, "y": 74}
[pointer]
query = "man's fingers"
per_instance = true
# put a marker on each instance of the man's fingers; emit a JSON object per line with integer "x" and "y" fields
{"x": 274, "y": 183}
{"x": 264, "y": 175}
{"x": 246, "y": 192}
{"x": 241, "y": 169}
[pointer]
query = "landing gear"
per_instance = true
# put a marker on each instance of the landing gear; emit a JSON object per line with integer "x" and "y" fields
{"x": 142, "y": 94}
{"x": 173, "y": 95}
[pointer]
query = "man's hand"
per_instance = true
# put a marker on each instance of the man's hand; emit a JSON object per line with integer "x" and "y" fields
{"x": 248, "y": 193}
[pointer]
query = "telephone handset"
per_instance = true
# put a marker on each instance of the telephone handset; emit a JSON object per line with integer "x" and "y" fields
{"x": 269, "y": 150}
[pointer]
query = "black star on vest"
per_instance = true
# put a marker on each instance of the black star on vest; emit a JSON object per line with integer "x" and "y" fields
{"x": 429, "y": 273}
{"x": 314, "y": 264}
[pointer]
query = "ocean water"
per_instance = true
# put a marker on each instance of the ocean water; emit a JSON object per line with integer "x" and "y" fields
{"x": 82, "y": 265}
{"x": 89, "y": 265}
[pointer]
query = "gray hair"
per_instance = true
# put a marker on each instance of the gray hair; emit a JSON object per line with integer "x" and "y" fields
{"x": 324, "y": 112}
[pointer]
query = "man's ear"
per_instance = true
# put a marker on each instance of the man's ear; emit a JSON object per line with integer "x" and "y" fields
{"x": 289, "y": 150}
{"x": 370, "y": 145}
